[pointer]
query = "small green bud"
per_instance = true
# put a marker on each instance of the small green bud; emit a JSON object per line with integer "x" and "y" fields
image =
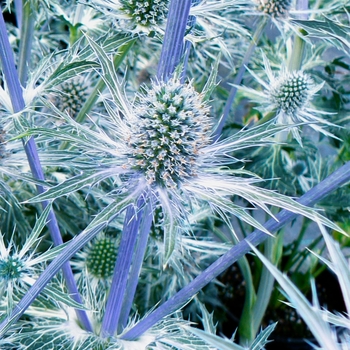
{"x": 101, "y": 257}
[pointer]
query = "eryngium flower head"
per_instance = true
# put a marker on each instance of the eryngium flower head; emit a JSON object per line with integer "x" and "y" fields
{"x": 171, "y": 128}
{"x": 275, "y": 8}
{"x": 71, "y": 95}
{"x": 18, "y": 266}
{"x": 138, "y": 16}
{"x": 94, "y": 265}
{"x": 144, "y": 13}
{"x": 292, "y": 92}
{"x": 101, "y": 257}
{"x": 289, "y": 96}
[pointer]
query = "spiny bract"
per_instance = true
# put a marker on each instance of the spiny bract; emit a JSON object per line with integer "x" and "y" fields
{"x": 173, "y": 126}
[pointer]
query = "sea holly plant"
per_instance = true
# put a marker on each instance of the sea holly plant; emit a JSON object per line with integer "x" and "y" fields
{"x": 153, "y": 181}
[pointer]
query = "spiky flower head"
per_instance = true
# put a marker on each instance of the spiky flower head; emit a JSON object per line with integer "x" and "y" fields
{"x": 94, "y": 265}
{"x": 292, "y": 92}
{"x": 172, "y": 127}
{"x": 71, "y": 95}
{"x": 20, "y": 267}
{"x": 101, "y": 256}
{"x": 289, "y": 95}
{"x": 275, "y": 8}
{"x": 159, "y": 149}
{"x": 11, "y": 268}
{"x": 144, "y": 13}
{"x": 137, "y": 16}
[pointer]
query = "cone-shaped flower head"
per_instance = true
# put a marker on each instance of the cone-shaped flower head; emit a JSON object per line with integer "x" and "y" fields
{"x": 275, "y": 8}
{"x": 101, "y": 256}
{"x": 144, "y": 13}
{"x": 173, "y": 125}
{"x": 159, "y": 147}
{"x": 292, "y": 92}
{"x": 137, "y": 16}
{"x": 289, "y": 95}
{"x": 73, "y": 93}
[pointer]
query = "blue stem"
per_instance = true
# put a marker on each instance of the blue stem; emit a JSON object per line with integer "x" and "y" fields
{"x": 320, "y": 191}
{"x": 239, "y": 77}
{"x": 135, "y": 270}
{"x": 173, "y": 42}
{"x": 187, "y": 46}
{"x": 16, "y": 95}
{"x": 19, "y": 7}
{"x": 302, "y": 5}
{"x": 122, "y": 268}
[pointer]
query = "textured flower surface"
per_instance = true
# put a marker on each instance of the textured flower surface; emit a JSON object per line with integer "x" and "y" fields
{"x": 72, "y": 94}
{"x": 135, "y": 15}
{"x": 292, "y": 92}
{"x": 96, "y": 261}
{"x": 172, "y": 128}
{"x": 275, "y": 8}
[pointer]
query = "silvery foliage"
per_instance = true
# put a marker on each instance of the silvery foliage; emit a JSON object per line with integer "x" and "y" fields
{"x": 140, "y": 133}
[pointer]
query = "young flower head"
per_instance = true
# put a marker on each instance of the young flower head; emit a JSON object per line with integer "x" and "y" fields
{"x": 292, "y": 92}
{"x": 96, "y": 261}
{"x": 289, "y": 95}
{"x": 275, "y": 8}
{"x": 101, "y": 257}
{"x": 72, "y": 94}
{"x": 135, "y": 15}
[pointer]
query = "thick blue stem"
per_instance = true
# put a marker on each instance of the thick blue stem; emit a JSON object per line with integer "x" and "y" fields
{"x": 18, "y": 104}
{"x": 135, "y": 270}
{"x": 173, "y": 42}
{"x": 9, "y": 69}
{"x": 122, "y": 268}
{"x": 320, "y": 191}
{"x": 18, "y": 7}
